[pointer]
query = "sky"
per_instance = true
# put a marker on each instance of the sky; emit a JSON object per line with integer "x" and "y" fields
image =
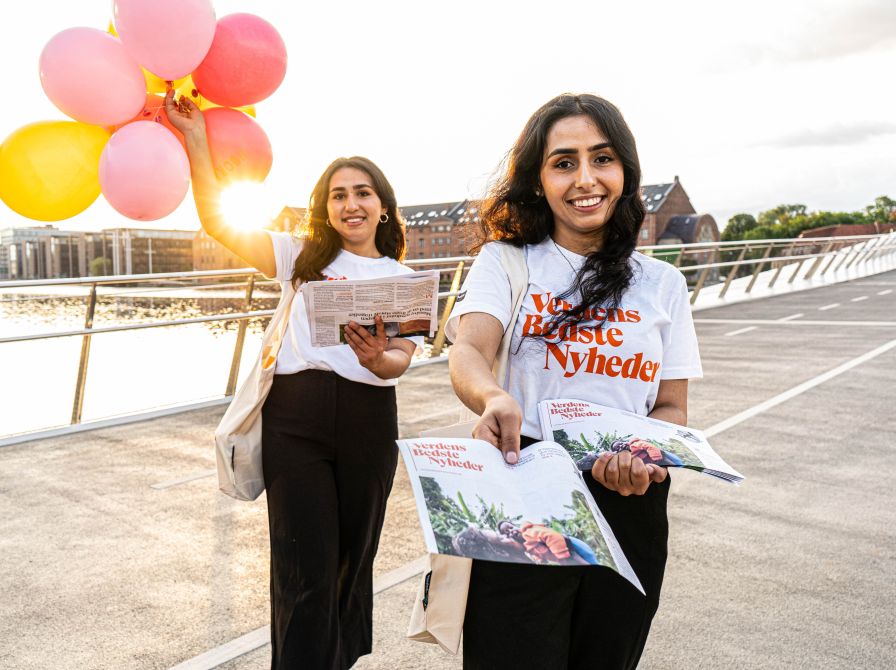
{"x": 751, "y": 104}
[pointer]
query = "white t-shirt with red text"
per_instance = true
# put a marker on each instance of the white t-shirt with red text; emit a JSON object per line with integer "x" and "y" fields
{"x": 296, "y": 352}
{"x": 650, "y": 337}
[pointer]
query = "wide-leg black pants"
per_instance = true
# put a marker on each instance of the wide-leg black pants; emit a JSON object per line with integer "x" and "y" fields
{"x": 559, "y": 618}
{"x": 329, "y": 459}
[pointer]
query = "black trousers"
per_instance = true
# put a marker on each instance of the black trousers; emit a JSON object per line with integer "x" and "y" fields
{"x": 329, "y": 457}
{"x": 554, "y": 618}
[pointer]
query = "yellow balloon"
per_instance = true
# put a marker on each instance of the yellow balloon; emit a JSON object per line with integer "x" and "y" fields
{"x": 158, "y": 85}
{"x": 188, "y": 88}
{"x": 49, "y": 170}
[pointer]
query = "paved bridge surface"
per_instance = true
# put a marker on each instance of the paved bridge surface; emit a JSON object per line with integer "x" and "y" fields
{"x": 117, "y": 552}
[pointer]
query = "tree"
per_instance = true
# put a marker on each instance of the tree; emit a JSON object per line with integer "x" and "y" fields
{"x": 738, "y": 225}
{"x": 100, "y": 266}
{"x": 781, "y": 214}
{"x": 882, "y": 211}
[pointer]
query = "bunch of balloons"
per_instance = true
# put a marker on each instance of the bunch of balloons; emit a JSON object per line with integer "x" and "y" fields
{"x": 120, "y": 142}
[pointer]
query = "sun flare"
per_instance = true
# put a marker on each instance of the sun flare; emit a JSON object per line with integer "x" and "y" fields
{"x": 246, "y": 206}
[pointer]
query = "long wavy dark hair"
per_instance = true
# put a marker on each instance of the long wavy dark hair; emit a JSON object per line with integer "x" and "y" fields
{"x": 322, "y": 243}
{"x": 514, "y": 212}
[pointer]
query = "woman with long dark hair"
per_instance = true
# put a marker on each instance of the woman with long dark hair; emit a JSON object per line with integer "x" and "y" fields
{"x": 329, "y": 424}
{"x": 599, "y": 322}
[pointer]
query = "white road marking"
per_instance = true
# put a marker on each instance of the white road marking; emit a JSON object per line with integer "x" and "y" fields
{"x": 800, "y": 322}
{"x": 860, "y": 298}
{"x": 827, "y": 307}
{"x": 262, "y": 636}
{"x": 797, "y": 390}
{"x": 228, "y": 651}
{"x": 885, "y": 291}
{"x": 792, "y": 317}
{"x": 258, "y": 638}
{"x": 742, "y": 330}
{"x": 183, "y": 480}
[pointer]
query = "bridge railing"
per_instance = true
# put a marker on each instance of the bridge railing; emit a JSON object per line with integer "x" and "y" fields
{"x": 703, "y": 264}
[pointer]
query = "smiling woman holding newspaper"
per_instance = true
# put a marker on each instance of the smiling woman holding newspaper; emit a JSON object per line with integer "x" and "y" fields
{"x": 329, "y": 422}
{"x": 596, "y": 321}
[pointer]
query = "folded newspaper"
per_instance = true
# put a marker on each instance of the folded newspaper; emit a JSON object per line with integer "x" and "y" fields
{"x": 587, "y": 430}
{"x": 537, "y": 511}
{"x": 408, "y": 305}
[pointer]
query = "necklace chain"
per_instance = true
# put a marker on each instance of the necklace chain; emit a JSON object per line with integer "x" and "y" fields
{"x": 565, "y": 257}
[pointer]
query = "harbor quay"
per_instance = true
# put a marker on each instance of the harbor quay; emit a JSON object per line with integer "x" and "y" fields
{"x": 119, "y": 552}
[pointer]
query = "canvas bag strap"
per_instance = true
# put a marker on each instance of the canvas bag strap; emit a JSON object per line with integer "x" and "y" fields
{"x": 513, "y": 260}
{"x": 279, "y": 322}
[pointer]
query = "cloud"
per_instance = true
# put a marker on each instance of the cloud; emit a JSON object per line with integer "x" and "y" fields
{"x": 836, "y": 134}
{"x": 822, "y": 32}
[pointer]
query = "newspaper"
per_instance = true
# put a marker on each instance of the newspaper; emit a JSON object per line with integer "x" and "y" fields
{"x": 538, "y": 511}
{"x": 408, "y": 305}
{"x": 587, "y": 430}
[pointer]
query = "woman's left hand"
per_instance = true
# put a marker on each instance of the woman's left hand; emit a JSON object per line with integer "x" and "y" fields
{"x": 369, "y": 349}
{"x": 626, "y": 474}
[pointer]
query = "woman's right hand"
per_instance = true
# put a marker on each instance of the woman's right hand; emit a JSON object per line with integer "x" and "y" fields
{"x": 500, "y": 425}
{"x": 184, "y": 115}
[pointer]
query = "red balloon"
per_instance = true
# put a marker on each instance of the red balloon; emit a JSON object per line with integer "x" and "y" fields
{"x": 240, "y": 148}
{"x": 245, "y": 64}
{"x": 154, "y": 110}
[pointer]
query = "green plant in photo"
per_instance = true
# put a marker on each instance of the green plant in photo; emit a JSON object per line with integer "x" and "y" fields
{"x": 680, "y": 449}
{"x": 583, "y": 526}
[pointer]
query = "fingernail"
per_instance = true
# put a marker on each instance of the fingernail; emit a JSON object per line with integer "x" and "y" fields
{"x": 510, "y": 457}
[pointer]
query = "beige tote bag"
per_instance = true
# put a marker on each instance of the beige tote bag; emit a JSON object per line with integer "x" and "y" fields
{"x": 238, "y": 435}
{"x": 441, "y": 602}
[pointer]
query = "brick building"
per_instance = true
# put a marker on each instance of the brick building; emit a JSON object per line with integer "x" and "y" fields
{"x": 672, "y": 219}
{"x": 439, "y": 230}
{"x": 845, "y": 229}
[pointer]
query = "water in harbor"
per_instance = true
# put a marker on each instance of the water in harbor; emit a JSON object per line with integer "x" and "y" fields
{"x": 128, "y": 371}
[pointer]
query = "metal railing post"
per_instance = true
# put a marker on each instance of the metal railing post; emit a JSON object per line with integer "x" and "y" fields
{"x": 81, "y": 382}
{"x": 777, "y": 274}
{"x": 240, "y": 339}
{"x": 833, "y": 258}
{"x": 859, "y": 254}
{"x": 734, "y": 269}
{"x": 850, "y": 251}
{"x": 818, "y": 261}
{"x": 702, "y": 278}
{"x": 799, "y": 266}
{"x": 438, "y": 342}
{"x": 872, "y": 247}
{"x": 768, "y": 252}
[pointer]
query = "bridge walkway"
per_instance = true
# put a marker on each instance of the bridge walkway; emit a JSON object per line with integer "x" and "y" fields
{"x": 118, "y": 553}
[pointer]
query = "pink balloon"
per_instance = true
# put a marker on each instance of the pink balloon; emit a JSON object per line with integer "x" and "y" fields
{"x": 167, "y": 37}
{"x": 240, "y": 148}
{"x": 246, "y": 62}
{"x": 144, "y": 172}
{"x": 154, "y": 110}
{"x": 89, "y": 75}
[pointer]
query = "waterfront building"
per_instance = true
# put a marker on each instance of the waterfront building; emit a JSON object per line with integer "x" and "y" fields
{"x": 42, "y": 252}
{"x": 146, "y": 251}
{"x": 209, "y": 254}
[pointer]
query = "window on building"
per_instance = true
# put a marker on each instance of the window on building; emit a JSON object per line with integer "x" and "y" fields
{"x": 645, "y": 233}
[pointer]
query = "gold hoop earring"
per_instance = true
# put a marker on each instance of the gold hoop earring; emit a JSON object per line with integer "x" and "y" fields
{"x": 329, "y": 224}
{"x": 384, "y": 218}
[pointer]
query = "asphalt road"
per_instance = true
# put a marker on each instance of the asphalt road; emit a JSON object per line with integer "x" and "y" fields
{"x": 793, "y": 569}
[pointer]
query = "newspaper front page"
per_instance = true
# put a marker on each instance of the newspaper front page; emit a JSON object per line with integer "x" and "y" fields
{"x": 408, "y": 305}
{"x": 587, "y": 430}
{"x": 538, "y": 511}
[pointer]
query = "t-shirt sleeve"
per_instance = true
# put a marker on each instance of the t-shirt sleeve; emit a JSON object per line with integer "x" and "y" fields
{"x": 681, "y": 355}
{"x": 486, "y": 289}
{"x": 286, "y": 251}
